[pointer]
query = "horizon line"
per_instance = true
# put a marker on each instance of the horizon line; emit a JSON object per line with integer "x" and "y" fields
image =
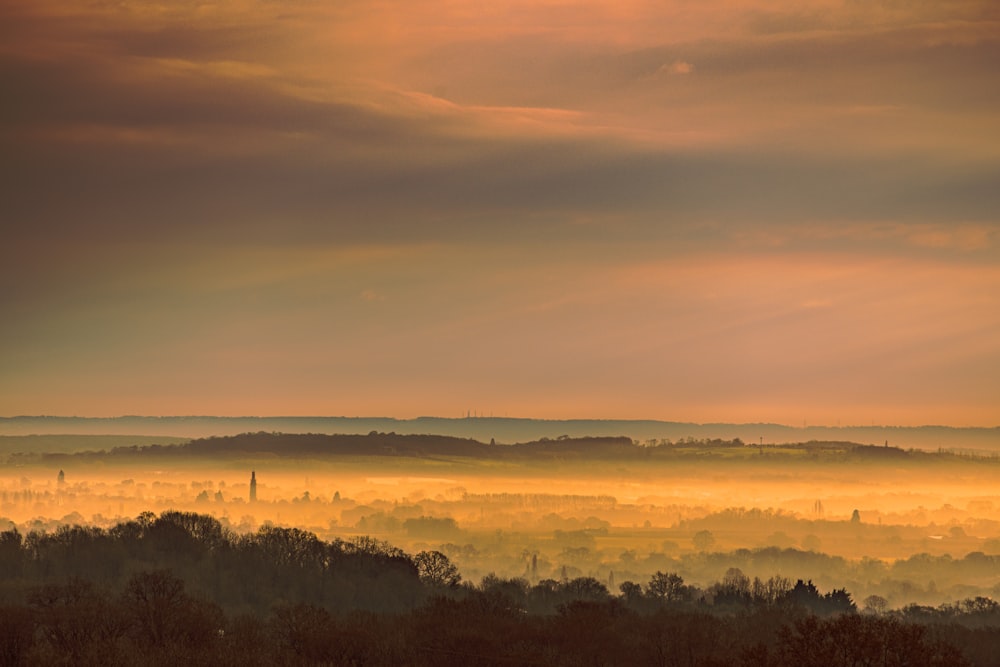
{"x": 503, "y": 418}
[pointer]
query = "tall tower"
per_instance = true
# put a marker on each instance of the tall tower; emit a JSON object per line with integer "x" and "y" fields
{"x": 253, "y": 486}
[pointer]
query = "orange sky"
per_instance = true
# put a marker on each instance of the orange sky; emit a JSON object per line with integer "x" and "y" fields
{"x": 697, "y": 211}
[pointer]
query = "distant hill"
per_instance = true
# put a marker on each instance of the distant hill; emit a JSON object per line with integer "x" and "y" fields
{"x": 511, "y": 430}
{"x": 312, "y": 445}
{"x": 305, "y": 446}
{"x": 50, "y": 444}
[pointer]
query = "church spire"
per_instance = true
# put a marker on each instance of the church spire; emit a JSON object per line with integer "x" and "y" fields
{"x": 253, "y": 486}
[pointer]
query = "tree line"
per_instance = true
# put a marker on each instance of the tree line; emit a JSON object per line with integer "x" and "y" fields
{"x": 378, "y": 444}
{"x": 180, "y": 589}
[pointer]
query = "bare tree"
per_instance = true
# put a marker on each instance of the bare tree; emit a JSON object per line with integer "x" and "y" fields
{"x": 436, "y": 570}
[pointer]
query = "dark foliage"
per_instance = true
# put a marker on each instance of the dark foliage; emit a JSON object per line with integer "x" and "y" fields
{"x": 311, "y": 445}
{"x": 178, "y": 589}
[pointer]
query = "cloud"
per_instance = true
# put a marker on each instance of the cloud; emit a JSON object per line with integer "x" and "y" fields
{"x": 677, "y": 67}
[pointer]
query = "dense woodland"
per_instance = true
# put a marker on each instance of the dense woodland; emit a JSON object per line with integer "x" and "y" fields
{"x": 180, "y": 589}
{"x": 373, "y": 444}
{"x": 545, "y": 449}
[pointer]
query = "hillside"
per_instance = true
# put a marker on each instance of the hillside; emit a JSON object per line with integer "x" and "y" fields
{"x": 509, "y": 430}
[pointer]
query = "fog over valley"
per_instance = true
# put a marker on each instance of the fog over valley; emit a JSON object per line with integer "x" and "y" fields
{"x": 907, "y": 525}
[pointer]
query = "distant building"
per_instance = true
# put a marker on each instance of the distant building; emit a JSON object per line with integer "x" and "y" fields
{"x": 253, "y": 486}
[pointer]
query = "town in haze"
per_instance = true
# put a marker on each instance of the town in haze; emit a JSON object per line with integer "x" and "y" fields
{"x": 519, "y": 333}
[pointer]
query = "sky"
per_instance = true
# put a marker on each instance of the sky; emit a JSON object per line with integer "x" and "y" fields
{"x": 709, "y": 211}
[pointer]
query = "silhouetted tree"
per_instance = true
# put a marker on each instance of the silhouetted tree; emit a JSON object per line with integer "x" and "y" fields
{"x": 436, "y": 570}
{"x": 667, "y": 587}
{"x": 515, "y": 591}
{"x": 631, "y": 591}
{"x": 804, "y": 594}
{"x": 585, "y": 588}
{"x": 733, "y": 589}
